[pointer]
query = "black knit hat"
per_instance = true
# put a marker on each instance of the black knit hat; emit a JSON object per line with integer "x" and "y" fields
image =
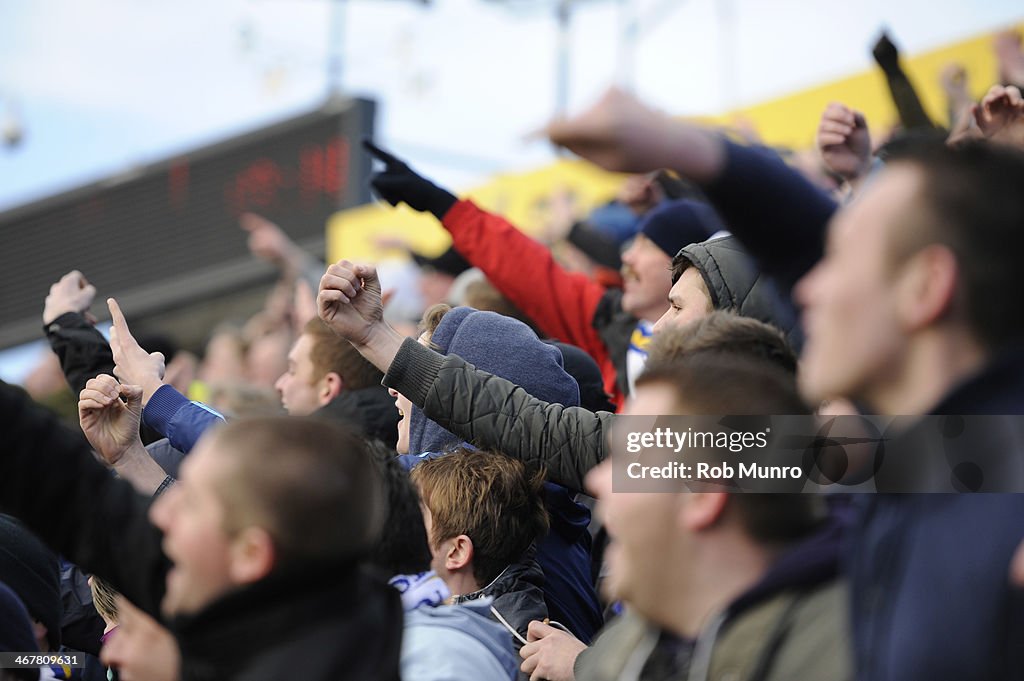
{"x": 675, "y": 224}
{"x": 587, "y": 373}
{"x": 32, "y": 572}
{"x": 16, "y": 630}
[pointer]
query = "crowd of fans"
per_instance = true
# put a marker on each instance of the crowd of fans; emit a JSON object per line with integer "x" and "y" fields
{"x": 337, "y": 490}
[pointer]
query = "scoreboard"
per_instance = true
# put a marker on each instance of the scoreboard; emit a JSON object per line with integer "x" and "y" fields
{"x": 166, "y": 235}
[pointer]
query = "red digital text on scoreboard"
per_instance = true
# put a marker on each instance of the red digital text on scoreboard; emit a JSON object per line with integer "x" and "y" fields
{"x": 320, "y": 173}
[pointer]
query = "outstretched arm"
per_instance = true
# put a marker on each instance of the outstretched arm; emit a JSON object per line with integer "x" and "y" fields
{"x": 561, "y": 303}
{"x": 777, "y": 214}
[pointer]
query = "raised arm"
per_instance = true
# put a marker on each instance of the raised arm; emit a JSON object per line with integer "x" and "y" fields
{"x": 82, "y": 350}
{"x": 165, "y": 410}
{"x": 778, "y": 215}
{"x": 904, "y": 96}
{"x": 473, "y": 404}
{"x": 50, "y": 480}
{"x": 561, "y": 303}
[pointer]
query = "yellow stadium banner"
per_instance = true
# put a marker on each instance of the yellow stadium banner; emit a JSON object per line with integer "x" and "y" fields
{"x": 788, "y": 121}
{"x": 792, "y": 120}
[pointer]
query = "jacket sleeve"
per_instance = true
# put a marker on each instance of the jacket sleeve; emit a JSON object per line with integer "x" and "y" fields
{"x": 778, "y": 216}
{"x": 561, "y": 303}
{"x": 50, "y": 480}
{"x": 177, "y": 418}
{"x": 493, "y": 413}
{"x": 83, "y": 351}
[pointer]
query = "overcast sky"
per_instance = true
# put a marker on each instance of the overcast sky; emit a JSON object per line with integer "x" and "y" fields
{"x": 101, "y": 84}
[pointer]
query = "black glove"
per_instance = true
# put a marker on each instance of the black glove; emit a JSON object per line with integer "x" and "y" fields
{"x": 397, "y": 183}
{"x": 886, "y": 54}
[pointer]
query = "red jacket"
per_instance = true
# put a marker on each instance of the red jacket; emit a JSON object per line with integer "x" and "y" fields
{"x": 567, "y": 306}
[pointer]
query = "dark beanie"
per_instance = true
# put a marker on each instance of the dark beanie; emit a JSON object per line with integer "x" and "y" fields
{"x": 674, "y": 224}
{"x": 587, "y": 373}
{"x": 16, "y": 630}
{"x": 32, "y": 572}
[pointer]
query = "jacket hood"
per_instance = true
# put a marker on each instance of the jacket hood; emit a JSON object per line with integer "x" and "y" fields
{"x": 587, "y": 375}
{"x": 501, "y": 346}
{"x": 811, "y": 561}
{"x": 371, "y": 409}
{"x": 472, "y": 618}
{"x": 735, "y": 283}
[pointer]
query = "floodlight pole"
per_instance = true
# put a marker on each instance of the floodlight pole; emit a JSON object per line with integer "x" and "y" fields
{"x": 335, "y": 47}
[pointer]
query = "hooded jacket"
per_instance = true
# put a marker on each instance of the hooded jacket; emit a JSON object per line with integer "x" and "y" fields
{"x": 516, "y": 596}
{"x": 511, "y": 349}
{"x": 456, "y": 643}
{"x": 791, "y": 624}
{"x": 736, "y": 283}
{"x": 371, "y": 409}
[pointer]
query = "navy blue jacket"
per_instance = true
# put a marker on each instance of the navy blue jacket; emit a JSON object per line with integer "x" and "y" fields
{"x": 928, "y": 572}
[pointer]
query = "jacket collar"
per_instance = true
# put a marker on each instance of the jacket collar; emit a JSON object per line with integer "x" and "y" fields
{"x": 998, "y": 388}
{"x": 216, "y": 640}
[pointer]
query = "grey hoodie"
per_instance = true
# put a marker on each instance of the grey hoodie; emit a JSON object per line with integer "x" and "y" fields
{"x": 456, "y": 642}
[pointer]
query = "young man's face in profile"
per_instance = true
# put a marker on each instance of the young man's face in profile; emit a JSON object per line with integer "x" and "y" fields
{"x": 191, "y": 515}
{"x": 299, "y": 389}
{"x": 643, "y": 526}
{"x": 850, "y": 300}
{"x": 688, "y": 301}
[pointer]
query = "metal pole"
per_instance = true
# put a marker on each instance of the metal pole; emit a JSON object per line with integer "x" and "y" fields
{"x": 335, "y": 47}
{"x": 629, "y": 31}
{"x": 564, "y": 16}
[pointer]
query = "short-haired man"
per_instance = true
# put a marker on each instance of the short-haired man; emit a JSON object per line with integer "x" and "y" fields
{"x": 244, "y": 558}
{"x": 327, "y": 376}
{"x": 482, "y": 513}
{"x": 735, "y": 577}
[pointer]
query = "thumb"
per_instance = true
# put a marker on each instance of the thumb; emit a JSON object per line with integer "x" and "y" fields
{"x": 538, "y": 630}
{"x": 132, "y": 395}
